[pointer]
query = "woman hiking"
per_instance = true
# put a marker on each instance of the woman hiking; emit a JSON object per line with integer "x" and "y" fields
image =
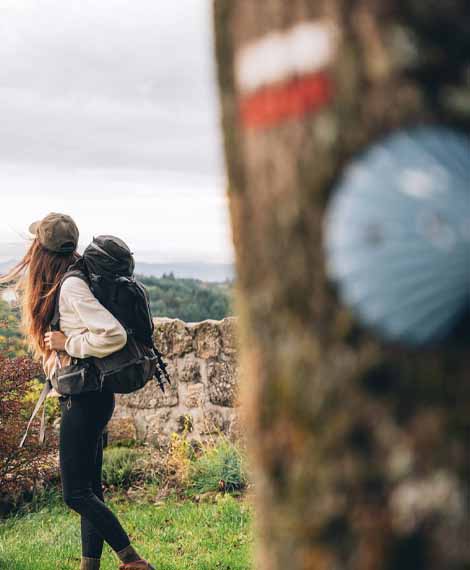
{"x": 87, "y": 329}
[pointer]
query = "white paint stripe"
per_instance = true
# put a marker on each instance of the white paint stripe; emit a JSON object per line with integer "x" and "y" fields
{"x": 305, "y": 48}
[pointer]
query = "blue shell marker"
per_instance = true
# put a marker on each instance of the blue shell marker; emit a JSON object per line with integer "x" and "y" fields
{"x": 397, "y": 234}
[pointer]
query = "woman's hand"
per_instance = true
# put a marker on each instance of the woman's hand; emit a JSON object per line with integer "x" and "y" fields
{"x": 55, "y": 340}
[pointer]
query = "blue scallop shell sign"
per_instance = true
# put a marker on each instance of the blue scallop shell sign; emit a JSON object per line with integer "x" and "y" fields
{"x": 397, "y": 234}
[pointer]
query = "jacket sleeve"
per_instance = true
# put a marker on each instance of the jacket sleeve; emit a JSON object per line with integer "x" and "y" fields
{"x": 105, "y": 333}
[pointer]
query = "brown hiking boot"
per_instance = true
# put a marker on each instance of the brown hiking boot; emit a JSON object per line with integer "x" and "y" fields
{"x": 131, "y": 560}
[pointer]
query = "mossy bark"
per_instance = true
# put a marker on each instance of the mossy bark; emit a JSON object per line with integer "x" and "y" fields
{"x": 359, "y": 448}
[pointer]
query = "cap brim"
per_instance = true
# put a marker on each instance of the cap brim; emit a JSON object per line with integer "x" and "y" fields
{"x": 33, "y": 227}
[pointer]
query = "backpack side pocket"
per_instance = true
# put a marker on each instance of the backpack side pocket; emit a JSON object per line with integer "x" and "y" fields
{"x": 80, "y": 376}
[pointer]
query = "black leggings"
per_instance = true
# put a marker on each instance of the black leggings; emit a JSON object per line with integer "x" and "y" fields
{"x": 83, "y": 420}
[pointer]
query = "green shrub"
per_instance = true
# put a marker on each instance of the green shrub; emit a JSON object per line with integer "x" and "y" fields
{"x": 122, "y": 466}
{"x": 220, "y": 467}
{"x": 45, "y": 496}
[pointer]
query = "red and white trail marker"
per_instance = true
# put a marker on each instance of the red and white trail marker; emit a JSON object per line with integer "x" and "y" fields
{"x": 285, "y": 74}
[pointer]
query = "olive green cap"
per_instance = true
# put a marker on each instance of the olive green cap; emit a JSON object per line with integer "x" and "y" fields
{"x": 56, "y": 232}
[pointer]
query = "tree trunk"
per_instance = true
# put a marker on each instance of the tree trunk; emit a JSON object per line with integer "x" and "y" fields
{"x": 359, "y": 447}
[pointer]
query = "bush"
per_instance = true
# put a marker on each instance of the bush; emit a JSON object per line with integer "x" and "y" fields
{"x": 46, "y": 495}
{"x": 190, "y": 467}
{"x": 178, "y": 461}
{"x": 122, "y": 466}
{"x": 21, "y": 468}
{"x": 219, "y": 467}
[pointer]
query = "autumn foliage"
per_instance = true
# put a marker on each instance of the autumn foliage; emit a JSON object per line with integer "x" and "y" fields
{"x": 21, "y": 468}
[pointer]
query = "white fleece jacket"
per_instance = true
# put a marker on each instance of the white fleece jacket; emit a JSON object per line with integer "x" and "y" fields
{"x": 91, "y": 329}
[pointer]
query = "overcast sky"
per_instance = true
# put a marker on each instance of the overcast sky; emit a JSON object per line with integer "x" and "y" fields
{"x": 108, "y": 112}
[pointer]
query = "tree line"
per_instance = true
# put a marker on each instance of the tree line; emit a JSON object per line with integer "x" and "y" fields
{"x": 190, "y": 300}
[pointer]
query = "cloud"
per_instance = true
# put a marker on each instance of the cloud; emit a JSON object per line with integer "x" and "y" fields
{"x": 169, "y": 216}
{"x": 111, "y": 83}
{"x": 108, "y": 111}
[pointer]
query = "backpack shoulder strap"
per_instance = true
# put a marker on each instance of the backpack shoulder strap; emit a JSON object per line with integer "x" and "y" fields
{"x": 41, "y": 400}
{"x": 55, "y": 322}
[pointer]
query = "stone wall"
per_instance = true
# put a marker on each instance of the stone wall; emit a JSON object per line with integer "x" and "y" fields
{"x": 201, "y": 361}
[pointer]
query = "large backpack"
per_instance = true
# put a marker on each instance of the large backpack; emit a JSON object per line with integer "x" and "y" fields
{"x": 107, "y": 266}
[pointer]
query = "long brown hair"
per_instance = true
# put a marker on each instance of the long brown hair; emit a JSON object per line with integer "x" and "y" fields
{"x": 37, "y": 278}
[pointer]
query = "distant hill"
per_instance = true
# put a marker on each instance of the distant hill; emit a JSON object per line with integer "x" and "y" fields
{"x": 215, "y": 272}
{"x": 204, "y": 271}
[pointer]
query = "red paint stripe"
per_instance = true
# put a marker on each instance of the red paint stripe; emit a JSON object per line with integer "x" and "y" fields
{"x": 272, "y": 105}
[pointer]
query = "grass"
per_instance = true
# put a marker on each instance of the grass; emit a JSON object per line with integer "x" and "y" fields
{"x": 172, "y": 534}
{"x": 121, "y": 466}
{"x": 220, "y": 467}
{"x": 170, "y": 504}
